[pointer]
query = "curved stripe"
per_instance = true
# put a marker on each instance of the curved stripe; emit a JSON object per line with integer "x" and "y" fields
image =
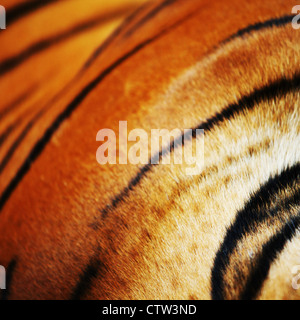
{"x": 95, "y": 268}
{"x": 34, "y": 153}
{"x": 274, "y": 22}
{"x": 19, "y": 140}
{"x": 255, "y": 212}
{"x": 270, "y": 253}
{"x": 65, "y": 114}
{"x": 276, "y": 89}
{"x": 6, "y": 133}
{"x": 89, "y": 61}
{"x": 12, "y": 62}
{"x": 112, "y": 37}
{"x": 255, "y": 27}
{"x": 149, "y": 16}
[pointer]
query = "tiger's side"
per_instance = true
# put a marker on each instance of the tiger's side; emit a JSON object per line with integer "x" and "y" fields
{"x": 73, "y": 229}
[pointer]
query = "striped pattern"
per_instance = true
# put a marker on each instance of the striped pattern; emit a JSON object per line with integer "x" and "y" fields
{"x": 150, "y": 231}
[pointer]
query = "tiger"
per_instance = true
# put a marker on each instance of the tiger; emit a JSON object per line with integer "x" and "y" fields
{"x": 71, "y": 228}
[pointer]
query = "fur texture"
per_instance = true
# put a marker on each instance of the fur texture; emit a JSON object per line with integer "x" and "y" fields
{"x": 70, "y": 228}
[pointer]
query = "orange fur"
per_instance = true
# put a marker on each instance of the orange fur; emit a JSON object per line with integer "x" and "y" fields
{"x": 161, "y": 240}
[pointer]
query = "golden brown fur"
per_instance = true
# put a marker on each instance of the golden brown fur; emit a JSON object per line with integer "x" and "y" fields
{"x": 160, "y": 241}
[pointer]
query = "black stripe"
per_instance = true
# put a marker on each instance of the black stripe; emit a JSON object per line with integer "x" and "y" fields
{"x": 21, "y": 137}
{"x": 274, "y": 22}
{"x": 112, "y": 37}
{"x": 114, "y": 203}
{"x": 19, "y": 140}
{"x": 255, "y": 27}
{"x": 227, "y": 113}
{"x": 139, "y": 176}
{"x": 22, "y": 9}
{"x": 6, "y": 134}
{"x": 41, "y": 144}
{"x": 34, "y": 154}
{"x": 12, "y": 62}
{"x": 95, "y": 268}
{"x": 149, "y": 16}
{"x": 276, "y": 89}
{"x": 9, "y": 275}
{"x": 270, "y": 253}
{"x": 135, "y": 181}
{"x": 255, "y": 212}
{"x": 26, "y": 130}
